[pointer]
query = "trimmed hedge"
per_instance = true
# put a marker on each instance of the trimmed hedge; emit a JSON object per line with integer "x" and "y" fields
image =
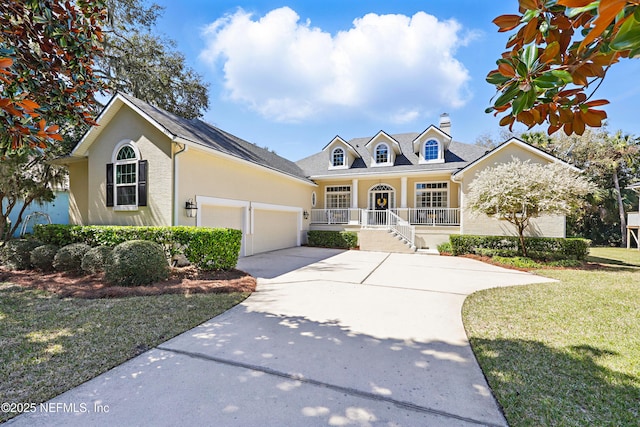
{"x": 543, "y": 248}
{"x": 137, "y": 263}
{"x": 207, "y": 248}
{"x": 95, "y": 260}
{"x": 16, "y": 254}
{"x": 42, "y": 257}
{"x": 69, "y": 257}
{"x": 333, "y": 239}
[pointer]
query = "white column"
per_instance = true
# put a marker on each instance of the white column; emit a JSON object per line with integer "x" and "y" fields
{"x": 403, "y": 192}
{"x": 354, "y": 194}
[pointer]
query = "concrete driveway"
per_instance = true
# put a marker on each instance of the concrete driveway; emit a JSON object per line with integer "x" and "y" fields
{"x": 329, "y": 338}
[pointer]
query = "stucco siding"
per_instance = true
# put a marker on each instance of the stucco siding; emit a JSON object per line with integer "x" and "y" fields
{"x": 155, "y": 147}
{"x": 78, "y": 193}
{"x": 204, "y": 174}
{"x": 480, "y": 224}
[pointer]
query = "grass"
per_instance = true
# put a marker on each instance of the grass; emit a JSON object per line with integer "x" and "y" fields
{"x": 49, "y": 345}
{"x": 565, "y": 353}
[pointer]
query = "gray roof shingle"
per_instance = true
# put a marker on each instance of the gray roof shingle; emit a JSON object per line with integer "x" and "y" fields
{"x": 207, "y": 135}
{"x": 457, "y": 157}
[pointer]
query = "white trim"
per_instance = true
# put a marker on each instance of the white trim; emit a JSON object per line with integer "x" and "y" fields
{"x": 114, "y": 160}
{"x": 421, "y": 157}
{"x": 374, "y": 157}
{"x": 345, "y": 159}
{"x": 386, "y": 174}
{"x": 278, "y": 208}
{"x": 371, "y": 191}
{"x": 457, "y": 176}
{"x": 354, "y": 193}
{"x": 403, "y": 192}
{"x": 432, "y": 190}
{"x": 202, "y": 201}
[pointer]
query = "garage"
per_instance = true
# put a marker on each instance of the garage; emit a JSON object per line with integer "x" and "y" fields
{"x": 274, "y": 230}
{"x": 265, "y": 227}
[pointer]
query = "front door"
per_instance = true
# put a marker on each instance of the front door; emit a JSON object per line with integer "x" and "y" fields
{"x": 381, "y": 206}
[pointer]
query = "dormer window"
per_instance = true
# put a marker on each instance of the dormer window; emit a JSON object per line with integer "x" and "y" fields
{"x": 338, "y": 158}
{"x": 431, "y": 150}
{"x": 382, "y": 154}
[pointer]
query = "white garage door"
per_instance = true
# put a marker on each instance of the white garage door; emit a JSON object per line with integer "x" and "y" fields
{"x": 274, "y": 230}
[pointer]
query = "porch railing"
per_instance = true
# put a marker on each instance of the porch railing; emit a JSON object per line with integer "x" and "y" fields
{"x": 414, "y": 216}
{"x": 335, "y": 216}
{"x": 389, "y": 220}
{"x": 434, "y": 216}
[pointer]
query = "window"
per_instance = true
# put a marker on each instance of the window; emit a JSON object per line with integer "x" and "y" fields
{"x": 431, "y": 150}
{"x": 338, "y": 197}
{"x": 432, "y": 195}
{"x": 126, "y": 174}
{"x": 337, "y": 157}
{"x": 382, "y": 153}
{"x": 382, "y": 196}
{"x": 313, "y": 199}
{"x": 126, "y": 178}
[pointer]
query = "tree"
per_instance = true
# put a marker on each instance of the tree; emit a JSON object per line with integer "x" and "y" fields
{"x": 140, "y": 63}
{"x": 26, "y": 176}
{"x": 612, "y": 161}
{"x": 545, "y": 75}
{"x": 519, "y": 191}
{"x": 47, "y": 53}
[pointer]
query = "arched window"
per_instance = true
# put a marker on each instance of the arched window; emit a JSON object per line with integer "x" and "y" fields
{"x": 126, "y": 181}
{"x": 382, "y": 153}
{"x": 126, "y": 178}
{"x": 337, "y": 157}
{"x": 431, "y": 150}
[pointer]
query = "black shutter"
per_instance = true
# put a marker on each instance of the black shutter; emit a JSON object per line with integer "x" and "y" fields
{"x": 109, "y": 184}
{"x": 142, "y": 183}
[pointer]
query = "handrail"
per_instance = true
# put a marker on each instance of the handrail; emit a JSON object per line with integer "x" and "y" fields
{"x": 402, "y": 228}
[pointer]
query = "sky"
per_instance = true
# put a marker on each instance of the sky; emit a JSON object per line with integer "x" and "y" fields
{"x": 291, "y": 75}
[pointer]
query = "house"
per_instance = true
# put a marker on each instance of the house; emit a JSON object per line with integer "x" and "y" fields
{"x": 144, "y": 166}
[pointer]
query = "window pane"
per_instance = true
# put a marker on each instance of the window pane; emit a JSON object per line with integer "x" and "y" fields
{"x": 382, "y": 154}
{"x": 431, "y": 150}
{"x": 125, "y": 153}
{"x": 338, "y": 157}
{"x": 126, "y": 195}
{"x": 126, "y": 174}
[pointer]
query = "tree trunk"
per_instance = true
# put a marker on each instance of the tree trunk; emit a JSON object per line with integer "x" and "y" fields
{"x": 623, "y": 219}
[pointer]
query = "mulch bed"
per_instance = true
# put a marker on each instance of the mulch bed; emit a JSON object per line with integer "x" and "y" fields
{"x": 183, "y": 280}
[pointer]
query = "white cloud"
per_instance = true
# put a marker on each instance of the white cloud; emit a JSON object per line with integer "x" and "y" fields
{"x": 389, "y": 66}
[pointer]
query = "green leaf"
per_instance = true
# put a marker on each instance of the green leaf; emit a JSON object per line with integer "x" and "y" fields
{"x": 575, "y": 11}
{"x": 497, "y": 79}
{"x": 547, "y": 81}
{"x": 530, "y": 55}
{"x": 508, "y": 94}
{"x": 563, "y": 75}
{"x": 628, "y": 36}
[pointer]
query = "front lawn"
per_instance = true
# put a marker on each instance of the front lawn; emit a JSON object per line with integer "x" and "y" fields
{"x": 49, "y": 345}
{"x": 564, "y": 353}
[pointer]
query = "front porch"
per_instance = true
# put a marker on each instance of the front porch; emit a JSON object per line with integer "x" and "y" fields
{"x": 419, "y": 228}
{"x": 370, "y": 217}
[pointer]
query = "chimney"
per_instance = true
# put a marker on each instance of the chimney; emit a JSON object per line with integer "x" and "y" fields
{"x": 445, "y": 123}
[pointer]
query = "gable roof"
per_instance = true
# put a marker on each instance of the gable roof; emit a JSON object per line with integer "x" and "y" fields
{"x": 192, "y": 132}
{"x": 520, "y": 143}
{"x": 458, "y": 156}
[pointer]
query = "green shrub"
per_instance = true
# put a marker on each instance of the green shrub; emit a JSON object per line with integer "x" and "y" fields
{"x": 540, "y": 248}
{"x": 16, "y": 254}
{"x": 95, "y": 260}
{"x": 210, "y": 248}
{"x": 332, "y": 239}
{"x": 42, "y": 257}
{"x": 137, "y": 263}
{"x": 445, "y": 248}
{"x": 69, "y": 257}
{"x": 518, "y": 261}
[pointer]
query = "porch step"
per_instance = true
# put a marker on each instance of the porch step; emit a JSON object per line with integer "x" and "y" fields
{"x": 383, "y": 241}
